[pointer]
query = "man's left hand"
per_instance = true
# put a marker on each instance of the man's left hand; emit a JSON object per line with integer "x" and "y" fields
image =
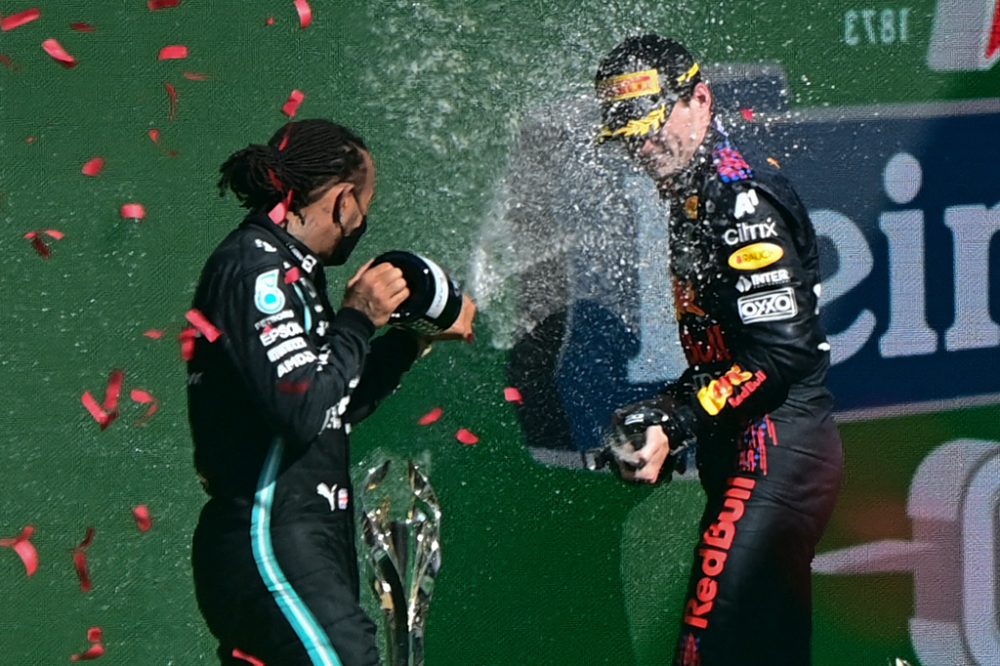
{"x": 651, "y": 456}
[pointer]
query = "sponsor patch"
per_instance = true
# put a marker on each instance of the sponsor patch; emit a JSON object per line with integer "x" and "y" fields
{"x": 264, "y": 245}
{"x": 286, "y": 348}
{"x": 281, "y": 332}
{"x": 744, "y": 233}
{"x": 343, "y": 497}
{"x": 713, "y": 396}
{"x": 755, "y": 256}
{"x": 267, "y": 297}
{"x": 627, "y": 86}
{"x": 746, "y": 204}
{"x": 293, "y": 362}
{"x": 273, "y": 319}
{"x": 768, "y": 306}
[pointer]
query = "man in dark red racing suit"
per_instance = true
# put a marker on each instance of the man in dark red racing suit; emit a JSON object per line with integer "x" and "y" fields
{"x": 753, "y": 401}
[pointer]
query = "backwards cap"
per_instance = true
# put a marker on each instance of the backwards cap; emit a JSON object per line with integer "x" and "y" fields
{"x": 639, "y": 82}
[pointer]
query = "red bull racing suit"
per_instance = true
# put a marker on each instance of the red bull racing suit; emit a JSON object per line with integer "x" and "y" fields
{"x": 271, "y": 403}
{"x": 745, "y": 269}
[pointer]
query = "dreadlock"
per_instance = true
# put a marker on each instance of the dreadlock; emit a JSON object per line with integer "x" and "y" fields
{"x": 303, "y": 157}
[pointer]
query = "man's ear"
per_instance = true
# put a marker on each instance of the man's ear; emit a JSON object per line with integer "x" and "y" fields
{"x": 702, "y": 95}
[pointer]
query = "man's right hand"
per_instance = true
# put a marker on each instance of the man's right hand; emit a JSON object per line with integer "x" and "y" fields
{"x": 376, "y": 291}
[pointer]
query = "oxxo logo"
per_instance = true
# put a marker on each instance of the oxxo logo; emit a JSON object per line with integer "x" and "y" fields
{"x": 966, "y": 36}
{"x": 954, "y": 555}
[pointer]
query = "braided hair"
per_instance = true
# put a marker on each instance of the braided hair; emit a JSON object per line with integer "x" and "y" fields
{"x": 304, "y": 157}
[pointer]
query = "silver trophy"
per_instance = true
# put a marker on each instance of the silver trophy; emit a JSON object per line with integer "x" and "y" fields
{"x": 404, "y": 556}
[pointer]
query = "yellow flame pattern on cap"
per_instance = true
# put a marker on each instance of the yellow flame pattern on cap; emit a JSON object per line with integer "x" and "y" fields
{"x": 649, "y": 123}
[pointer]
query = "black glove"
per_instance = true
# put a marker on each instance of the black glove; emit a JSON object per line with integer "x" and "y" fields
{"x": 630, "y": 425}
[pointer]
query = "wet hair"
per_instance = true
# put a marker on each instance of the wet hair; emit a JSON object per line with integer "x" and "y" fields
{"x": 305, "y": 156}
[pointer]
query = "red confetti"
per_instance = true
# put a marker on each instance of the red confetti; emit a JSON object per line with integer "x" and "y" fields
{"x": 30, "y": 139}
{"x": 80, "y": 561}
{"x": 105, "y": 413}
{"x": 37, "y": 242}
{"x": 144, "y": 397}
{"x": 240, "y": 654}
{"x": 305, "y": 12}
{"x": 24, "y": 548}
{"x": 431, "y": 416}
{"x": 19, "y": 19}
{"x": 154, "y": 334}
{"x": 269, "y": 21}
{"x": 291, "y": 107}
{"x": 8, "y": 63}
{"x": 133, "y": 211}
{"x": 747, "y": 115}
{"x": 142, "y": 518}
{"x": 94, "y": 166}
{"x": 172, "y": 94}
{"x": 466, "y": 436}
{"x": 176, "y": 52}
{"x": 292, "y": 275}
{"x": 204, "y": 326}
{"x": 82, "y": 27}
{"x": 293, "y": 387}
{"x": 96, "y": 636}
{"x": 162, "y": 4}
{"x": 196, "y": 76}
{"x": 511, "y": 394}
{"x": 154, "y": 135}
{"x": 187, "y": 337}
{"x": 58, "y": 53}
{"x": 277, "y": 214}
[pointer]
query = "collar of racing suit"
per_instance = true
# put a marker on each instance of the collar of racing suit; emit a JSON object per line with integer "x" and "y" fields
{"x": 691, "y": 179}
{"x": 307, "y": 261}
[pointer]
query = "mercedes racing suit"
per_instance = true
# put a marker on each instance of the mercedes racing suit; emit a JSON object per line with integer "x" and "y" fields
{"x": 745, "y": 272}
{"x": 271, "y": 402}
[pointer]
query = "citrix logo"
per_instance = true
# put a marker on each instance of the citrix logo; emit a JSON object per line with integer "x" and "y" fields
{"x": 954, "y": 555}
{"x": 966, "y": 36}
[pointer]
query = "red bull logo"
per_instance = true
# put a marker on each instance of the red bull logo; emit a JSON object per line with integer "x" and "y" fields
{"x": 966, "y": 36}
{"x": 713, "y": 397}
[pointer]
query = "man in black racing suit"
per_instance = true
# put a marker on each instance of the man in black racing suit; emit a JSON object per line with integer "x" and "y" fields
{"x": 753, "y": 400}
{"x": 273, "y": 397}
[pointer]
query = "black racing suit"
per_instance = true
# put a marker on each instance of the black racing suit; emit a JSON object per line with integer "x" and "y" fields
{"x": 746, "y": 277}
{"x": 271, "y": 403}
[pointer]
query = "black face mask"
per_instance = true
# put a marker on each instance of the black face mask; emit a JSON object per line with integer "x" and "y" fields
{"x": 348, "y": 241}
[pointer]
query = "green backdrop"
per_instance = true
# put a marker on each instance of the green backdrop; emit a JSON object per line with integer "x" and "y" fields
{"x": 541, "y": 565}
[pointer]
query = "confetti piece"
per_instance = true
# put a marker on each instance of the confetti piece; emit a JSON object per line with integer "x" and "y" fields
{"x": 466, "y": 437}
{"x": 144, "y": 397}
{"x": 30, "y": 139}
{"x": 277, "y": 214}
{"x": 431, "y": 416}
{"x": 19, "y": 19}
{"x": 154, "y": 334}
{"x": 59, "y": 54}
{"x": 82, "y": 27}
{"x": 305, "y": 12}
{"x": 96, "y": 636}
{"x": 133, "y": 211}
{"x": 21, "y": 544}
{"x": 747, "y": 115}
{"x": 37, "y": 242}
{"x": 511, "y": 394}
{"x": 172, "y": 95}
{"x": 175, "y": 52}
{"x": 292, "y": 275}
{"x": 269, "y": 21}
{"x": 54, "y": 233}
{"x": 196, "y": 76}
{"x": 187, "y": 337}
{"x": 291, "y": 107}
{"x": 8, "y": 63}
{"x": 773, "y": 162}
{"x": 162, "y": 4}
{"x": 204, "y": 326}
{"x": 253, "y": 661}
{"x": 105, "y": 413}
{"x": 93, "y": 166}
{"x": 154, "y": 135}
{"x": 142, "y": 518}
{"x": 80, "y": 561}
